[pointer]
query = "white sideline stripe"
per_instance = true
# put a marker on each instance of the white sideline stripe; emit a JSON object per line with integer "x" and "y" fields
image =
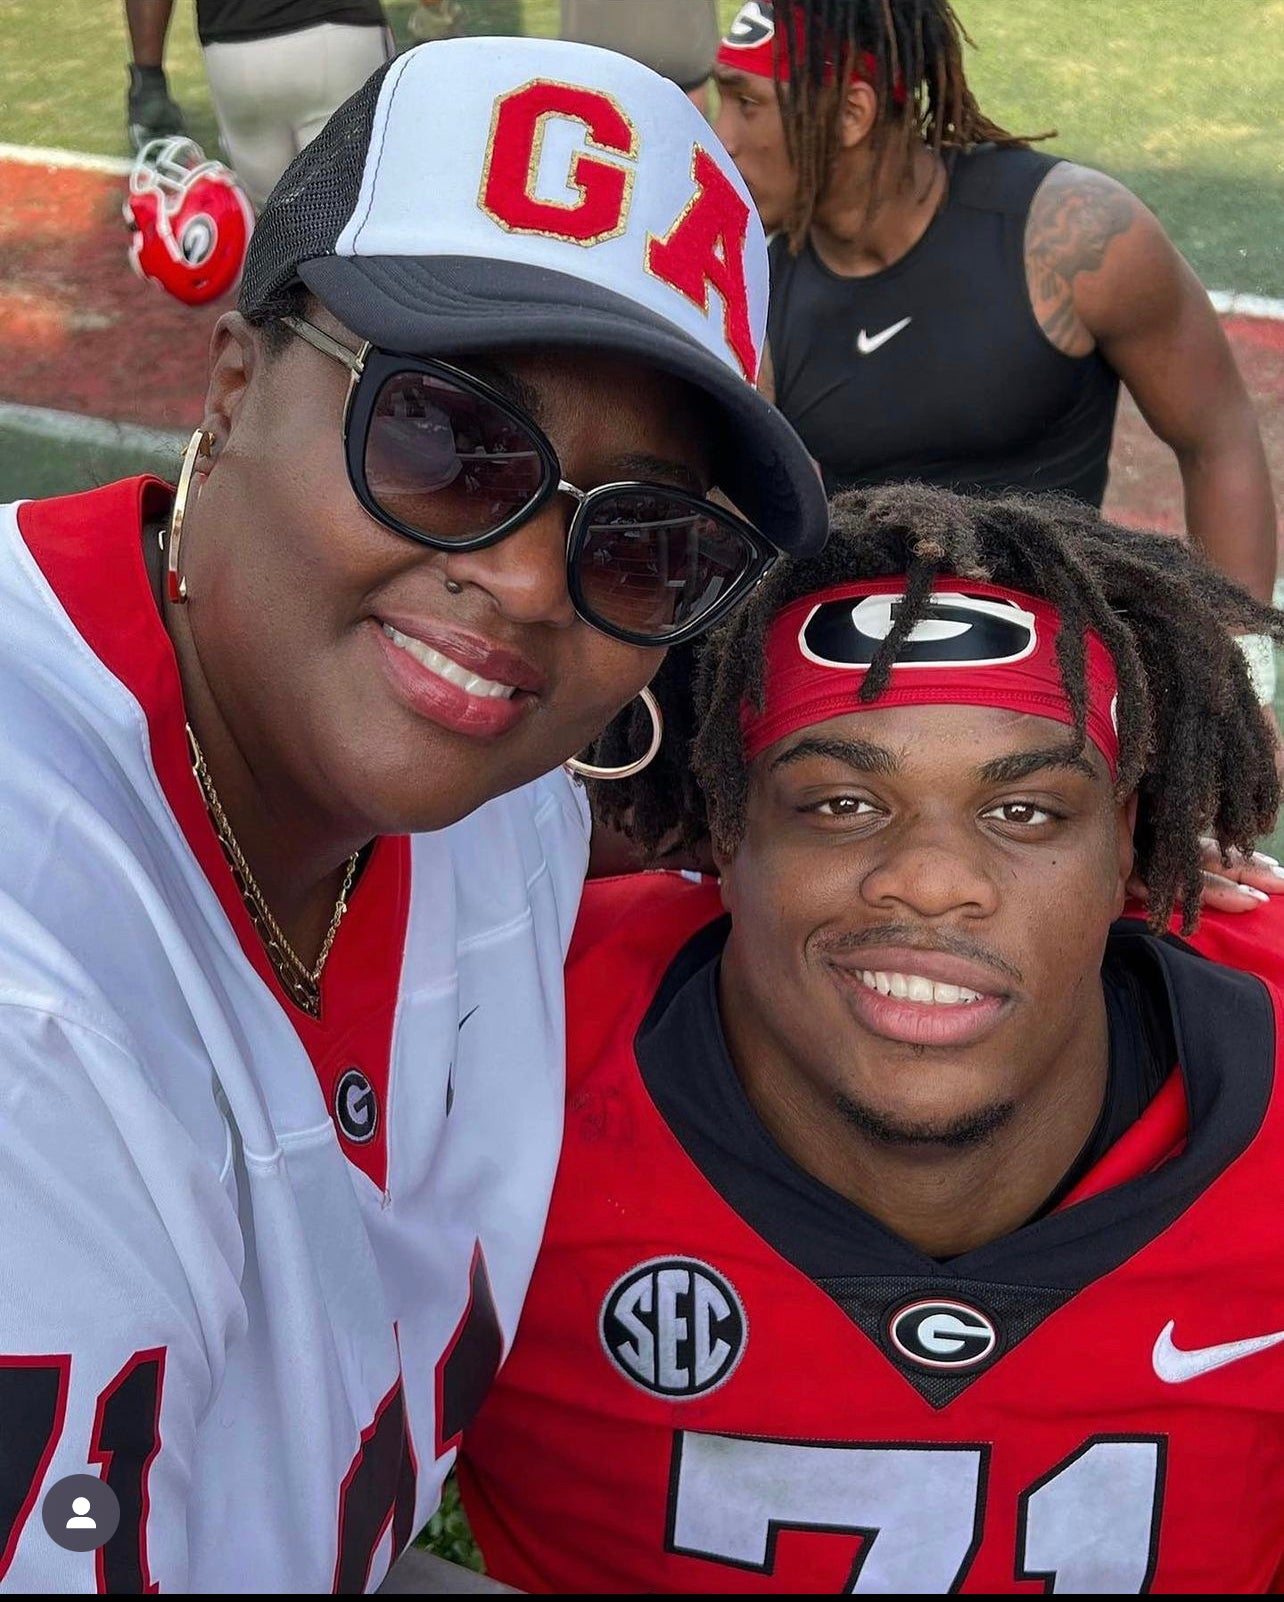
{"x": 82, "y": 160}
{"x": 73, "y": 428}
{"x": 1231, "y": 302}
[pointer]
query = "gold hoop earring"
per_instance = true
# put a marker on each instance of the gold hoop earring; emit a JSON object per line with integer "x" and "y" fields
{"x": 200, "y": 444}
{"x": 588, "y": 770}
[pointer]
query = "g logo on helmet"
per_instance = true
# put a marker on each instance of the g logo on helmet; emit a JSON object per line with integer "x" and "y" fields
{"x": 198, "y": 240}
{"x": 943, "y": 1335}
{"x": 191, "y": 219}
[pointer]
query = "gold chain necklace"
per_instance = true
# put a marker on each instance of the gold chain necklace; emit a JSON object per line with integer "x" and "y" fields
{"x": 302, "y": 984}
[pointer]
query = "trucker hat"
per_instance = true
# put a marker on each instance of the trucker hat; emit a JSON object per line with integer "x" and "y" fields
{"x": 525, "y": 193}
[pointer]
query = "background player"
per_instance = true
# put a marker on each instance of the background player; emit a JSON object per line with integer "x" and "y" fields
{"x": 150, "y": 112}
{"x": 909, "y": 1233}
{"x": 949, "y": 305}
{"x": 290, "y": 859}
{"x": 278, "y": 68}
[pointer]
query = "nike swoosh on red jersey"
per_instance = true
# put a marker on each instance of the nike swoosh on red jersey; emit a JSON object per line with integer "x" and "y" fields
{"x": 1175, "y": 1366}
{"x": 866, "y": 344}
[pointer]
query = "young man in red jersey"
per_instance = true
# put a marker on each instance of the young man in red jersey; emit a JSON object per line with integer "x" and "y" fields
{"x": 910, "y": 1234}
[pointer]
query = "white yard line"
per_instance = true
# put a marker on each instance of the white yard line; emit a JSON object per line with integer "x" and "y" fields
{"x": 1231, "y": 303}
{"x": 72, "y": 428}
{"x": 81, "y": 160}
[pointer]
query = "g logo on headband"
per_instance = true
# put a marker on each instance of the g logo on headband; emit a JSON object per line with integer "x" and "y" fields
{"x": 754, "y": 24}
{"x": 958, "y": 630}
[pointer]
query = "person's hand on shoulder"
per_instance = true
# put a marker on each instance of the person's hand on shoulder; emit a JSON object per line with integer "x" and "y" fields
{"x": 1240, "y": 883}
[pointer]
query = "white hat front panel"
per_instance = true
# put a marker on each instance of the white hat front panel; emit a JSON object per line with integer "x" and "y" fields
{"x": 570, "y": 158}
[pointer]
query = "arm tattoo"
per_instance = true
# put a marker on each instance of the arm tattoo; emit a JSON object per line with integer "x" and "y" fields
{"x": 1073, "y": 218}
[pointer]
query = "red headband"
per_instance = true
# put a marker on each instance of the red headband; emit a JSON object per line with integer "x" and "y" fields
{"x": 977, "y": 645}
{"x": 749, "y": 46}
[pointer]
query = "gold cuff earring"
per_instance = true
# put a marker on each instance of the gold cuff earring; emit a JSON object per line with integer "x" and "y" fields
{"x": 588, "y": 770}
{"x": 200, "y": 444}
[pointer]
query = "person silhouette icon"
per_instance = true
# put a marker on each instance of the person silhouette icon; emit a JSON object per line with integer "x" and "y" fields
{"x": 81, "y": 1519}
{"x": 80, "y": 1512}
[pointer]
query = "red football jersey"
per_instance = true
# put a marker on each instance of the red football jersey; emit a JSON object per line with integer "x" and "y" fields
{"x": 1094, "y": 1403}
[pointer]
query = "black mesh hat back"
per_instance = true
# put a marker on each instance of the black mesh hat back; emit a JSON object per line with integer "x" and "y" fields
{"x": 313, "y": 200}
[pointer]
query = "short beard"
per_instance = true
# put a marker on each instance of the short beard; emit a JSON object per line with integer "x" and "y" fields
{"x": 972, "y": 1129}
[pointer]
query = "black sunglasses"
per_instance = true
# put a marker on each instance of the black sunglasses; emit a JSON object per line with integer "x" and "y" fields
{"x": 439, "y": 456}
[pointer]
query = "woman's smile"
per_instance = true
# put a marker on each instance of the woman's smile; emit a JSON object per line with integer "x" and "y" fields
{"x": 465, "y": 685}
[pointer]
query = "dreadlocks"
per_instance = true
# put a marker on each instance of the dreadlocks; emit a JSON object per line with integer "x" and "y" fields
{"x": 1192, "y": 740}
{"x": 912, "y": 53}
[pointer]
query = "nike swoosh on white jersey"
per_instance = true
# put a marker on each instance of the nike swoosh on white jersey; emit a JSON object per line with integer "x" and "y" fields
{"x": 866, "y": 344}
{"x": 1175, "y": 1366}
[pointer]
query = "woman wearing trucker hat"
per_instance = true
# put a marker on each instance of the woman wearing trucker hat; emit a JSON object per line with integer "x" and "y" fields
{"x": 290, "y": 857}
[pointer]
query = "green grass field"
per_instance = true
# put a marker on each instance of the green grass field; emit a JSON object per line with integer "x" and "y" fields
{"x": 1178, "y": 98}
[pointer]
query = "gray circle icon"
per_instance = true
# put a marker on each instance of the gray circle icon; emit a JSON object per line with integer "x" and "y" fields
{"x": 80, "y": 1512}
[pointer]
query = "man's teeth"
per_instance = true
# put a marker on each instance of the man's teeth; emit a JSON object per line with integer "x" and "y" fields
{"x": 447, "y": 669}
{"x": 913, "y": 987}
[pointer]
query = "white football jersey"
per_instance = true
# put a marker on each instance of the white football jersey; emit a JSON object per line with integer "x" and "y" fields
{"x": 256, "y": 1271}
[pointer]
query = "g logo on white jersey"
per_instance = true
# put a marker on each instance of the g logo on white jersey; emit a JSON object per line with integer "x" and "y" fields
{"x": 673, "y": 1326}
{"x": 356, "y": 1107}
{"x": 958, "y": 630}
{"x": 939, "y": 1334}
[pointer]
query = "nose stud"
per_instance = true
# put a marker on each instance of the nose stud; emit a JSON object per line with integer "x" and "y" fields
{"x": 454, "y": 588}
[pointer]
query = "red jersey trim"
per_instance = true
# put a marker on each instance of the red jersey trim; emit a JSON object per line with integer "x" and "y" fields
{"x": 89, "y": 549}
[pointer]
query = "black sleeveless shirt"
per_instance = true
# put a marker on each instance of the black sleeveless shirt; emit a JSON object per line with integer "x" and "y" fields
{"x": 936, "y": 368}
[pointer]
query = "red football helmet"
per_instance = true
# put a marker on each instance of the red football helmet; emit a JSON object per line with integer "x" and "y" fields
{"x": 191, "y": 219}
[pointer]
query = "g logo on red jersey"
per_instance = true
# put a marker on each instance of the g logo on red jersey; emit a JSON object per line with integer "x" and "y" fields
{"x": 969, "y": 631}
{"x": 673, "y": 1326}
{"x": 941, "y": 1334}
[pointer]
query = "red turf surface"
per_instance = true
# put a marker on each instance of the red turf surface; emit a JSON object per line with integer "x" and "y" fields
{"x": 83, "y": 334}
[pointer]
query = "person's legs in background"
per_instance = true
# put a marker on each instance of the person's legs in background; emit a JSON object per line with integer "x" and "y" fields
{"x": 150, "y": 112}
{"x": 273, "y": 95}
{"x": 348, "y": 57}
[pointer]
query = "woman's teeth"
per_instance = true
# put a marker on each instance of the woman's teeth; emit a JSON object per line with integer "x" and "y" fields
{"x": 447, "y": 669}
{"x": 913, "y": 987}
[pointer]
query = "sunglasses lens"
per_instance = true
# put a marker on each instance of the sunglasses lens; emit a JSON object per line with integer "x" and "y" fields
{"x": 448, "y": 463}
{"x": 651, "y": 563}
